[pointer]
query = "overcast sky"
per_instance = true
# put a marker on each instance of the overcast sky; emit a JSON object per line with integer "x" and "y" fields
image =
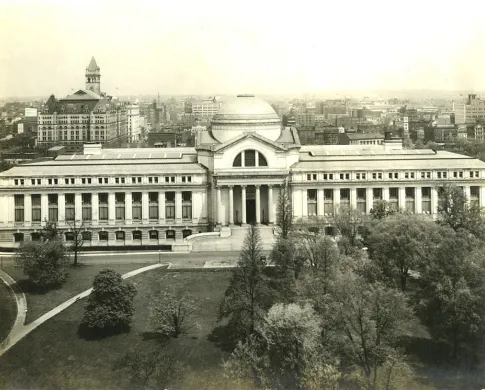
{"x": 263, "y": 47}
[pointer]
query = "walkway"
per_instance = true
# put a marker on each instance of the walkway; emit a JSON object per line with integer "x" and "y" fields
{"x": 19, "y": 330}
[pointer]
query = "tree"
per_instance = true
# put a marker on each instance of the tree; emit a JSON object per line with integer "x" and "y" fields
{"x": 148, "y": 369}
{"x": 110, "y": 305}
{"x": 401, "y": 243}
{"x": 76, "y": 228}
{"x": 171, "y": 313}
{"x": 248, "y": 294}
{"x": 348, "y": 222}
{"x": 455, "y": 211}
{"x": 382, "y": 209}
{"x": 45, "y": 263}
{"x": 284, "y": 211}
{"x": 453, "y": 293}
{"x": 371, "y": 317}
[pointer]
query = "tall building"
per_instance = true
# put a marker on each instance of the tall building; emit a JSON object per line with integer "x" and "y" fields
{"x": 470, "y": 111}
{"x": 232, "y": 176}
{"x": 133, "y": 122}
{"x": 205, "y": 108}
{"x": 85, "y": 115}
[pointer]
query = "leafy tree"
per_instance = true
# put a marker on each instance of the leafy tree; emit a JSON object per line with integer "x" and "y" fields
{"x": 453, "y": 294}
{"x": 148, "y": 369}
{"x": 171, "y": 313}
{"x": 50, "y": 231}
{"x": 455, "y": 211}
{"x": 45, "y": 263}
{"x": 110, "y": 305}
{"x": 284, "y": 211}
{"x": 401, "y": 243}
{"x": 249, "y": 293}
{"x": 348, "y": 222}
{"x": 382, "y": 209}
{"x": 371, "y": 317}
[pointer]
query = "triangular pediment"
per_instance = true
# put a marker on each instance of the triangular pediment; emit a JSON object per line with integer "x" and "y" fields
{"x": 248, "y": 136}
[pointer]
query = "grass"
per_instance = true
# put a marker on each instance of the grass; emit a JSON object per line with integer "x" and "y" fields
{"x": 80, "y": 279}
{"x": 54, "y": 356}
{"x": 8, "y": 310}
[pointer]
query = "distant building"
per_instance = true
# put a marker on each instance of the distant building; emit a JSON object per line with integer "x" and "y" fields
{"x": 470, "y": 111}
{"x": 30, "y": 112}
{"x": 133, "y": 122}
{"x": 84, "y": 116}
{"x": 360, "y": 139}
{"x": 205, "y": 108}
{"x": 476, "y": 131}
{"x": 305, "y": 119}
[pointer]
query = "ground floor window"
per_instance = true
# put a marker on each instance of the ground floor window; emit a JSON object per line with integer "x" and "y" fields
{"x": 86, "y": 236}
{"x": 186, "y": 233}
{"x": 170, "y": 234}
{"x": 137, "y": 234}
{"x": 18, "y": 237}
{"x": 120, "y": 235}
{"x": 103, "y": 236}
{"x": 35, "y": 236}
{"x": 69, "y": 236}
{"x": 153, "y": 234}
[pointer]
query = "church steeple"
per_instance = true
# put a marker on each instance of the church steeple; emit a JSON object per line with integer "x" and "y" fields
{"x": 93, "y": 77}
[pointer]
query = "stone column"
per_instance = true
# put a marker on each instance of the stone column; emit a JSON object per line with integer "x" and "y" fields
{"x": 369, "y": 200}
{"x": 161, "y": 207}
{"x": 178, "y": 206}
{"x": 402, "y": 198}
{"x": 482, "y": 196}
{"x": 258, "y": 205}
{"x": 243, "y": 204}
{"x": 220, "y": 219}
{"x": 385, "y": 194}
{"x": 434, "y": 201}
{"x": 111, "y": 208}
{"x": 44, "y": 208}
{"x": 78, "y": 207}
{"x": 61, "y": 209}
{"x": 304, "y": 202}
{"x": 95, "y": 209}
{"x": 144, "y": 208}
{"x": 270, "y": 204}
{"x": 231, "y": 205}
{"x": 467, "y": 192}
{"x": 28, "y": 210}
{"x": 336, "y": 199}
{"x": 418, "y": 201}
{"x": 320, "y": 203}
{"x": 128, "y": 208}
{"x": 353, "y": 198}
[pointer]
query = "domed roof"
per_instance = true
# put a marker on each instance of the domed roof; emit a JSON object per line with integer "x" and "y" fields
{"x": 245, "y": 113}
{"x": 247, "y": 107}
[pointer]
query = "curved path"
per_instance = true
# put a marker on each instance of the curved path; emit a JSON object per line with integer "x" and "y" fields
{"x": 19, "y": 330}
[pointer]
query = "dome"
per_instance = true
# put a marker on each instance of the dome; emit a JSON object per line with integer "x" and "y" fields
{"x": 245, "y": 113}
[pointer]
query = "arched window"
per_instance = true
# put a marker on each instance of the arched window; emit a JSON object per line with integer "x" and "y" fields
{"x": 86, "y": 236}
{"x": 186, "y": 233}
{"x": 250, "y": 158}
{"x": 153, "y": 234}
{"x": 170, "y": 234}
{"x": 18, "y": 237}
{"x": 103, "y": 236}
{"x": 120, "y": 235}
{"x": 136, "y": 234}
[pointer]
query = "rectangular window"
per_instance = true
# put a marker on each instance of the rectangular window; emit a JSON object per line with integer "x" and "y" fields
{"x": 426, "y": 200}
{"x": 53, "y": 207}
{"x": 120, "y": 206}
{"x": 19, "y": 208}
{"x": 169, "y": 179}
{"x": 186, "y": 179}
{"x": 103, "y": 207}
{"x": 410, "y": 193}
{"x": 394, "y": 198}
{"x": 376, "y": 194}
{"x": 186, "y": 204}
{"x": 153, "y": 205}
{"x": 69, "y": 207}
{"x": 170, "y": 205}
{"x": 328, "y": 201}
{"x": 36, "y": 208}
{"x": 136, "y": 206}
{"x": 86, "y": 207}
{"x": 474, "y": 196}
{"x": 312, "y": 202}
{"x": 361, "y": 200}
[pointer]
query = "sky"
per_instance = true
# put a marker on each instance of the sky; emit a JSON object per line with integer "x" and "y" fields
{"x": 226, "y": 47}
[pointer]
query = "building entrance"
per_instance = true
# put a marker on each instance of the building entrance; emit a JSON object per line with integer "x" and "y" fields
{"x": 251, "y": 211}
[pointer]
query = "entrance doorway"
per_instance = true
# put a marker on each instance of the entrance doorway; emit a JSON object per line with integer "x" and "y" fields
{"x": 251, "y": 211}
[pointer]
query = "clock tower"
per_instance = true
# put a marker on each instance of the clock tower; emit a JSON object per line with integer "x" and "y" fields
{"x": 93, "y": 77}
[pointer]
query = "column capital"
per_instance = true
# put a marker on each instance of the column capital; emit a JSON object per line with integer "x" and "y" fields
{"x": 257, "y": 185}
{"x": 244, "y": 185}
{"x": 231, "y": 186}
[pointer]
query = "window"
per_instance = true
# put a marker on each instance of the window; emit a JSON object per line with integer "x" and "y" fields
{"x": 86, "y": 207}
{"x": 103, "y": 236}
{"x": 35, "y": 236}
{"x": 19, "y": 208}
{"x": 36, "y": 208}
{"x": 376, "y": 194}
{"x": 136, "y": 206}
{"x": 153, "y": 205}
{"x": 426, "y": 175}
{"x": 85, "y": 180}
{"x": 311, "y": 176}
{"x": 152, "y": 179}
{"x": 377, "y": 175}
{"x": 18, "y": 237}
{"x": 344, "y": 176}
{"x": 86, "y": 236}
{"x": 136, "y": 179}
{"x": 312, "y": 202}
{"x": 120, "y": 206}
{"x": 169, "y": 179}
{"x": 186, "y": 205}
{"x": 69, "y": 207}
{"x": 170, "y": 234}
{"x": 409, "y": 191}
{"x": 69, "y": 236}
{"x": 69, "y": 180}
{"x": 19, "y": 182}
{"x": 35, "y": 182}
{"x": 361, "y": 200}
{"x": 103, "y": 207}
{"x": 474, "y": 174}
{"x": 474, "y": 196}
{"x": 426, "y": 200}
{"x": 120, "y": 235}
{"x": 250, "y": 158}
{"x": 52, "y": 181}
{"x": 394, "y": 198}
{"x": 442, "y": 174}
{"x": 186, "y": 233}
{"x": 328, "y": 201}
{"x": 102, "y": 180}
{"x": 52, "y": 200}
{"x": 153, "y": 234}
{"x": 186, "y": 179}
{"x": 360, "y": 176}
{"x": 136, "y": 235}
{"x": 119, "y": 180}
{"x": 170, "y": 205}
{"x": 345, "y": 196}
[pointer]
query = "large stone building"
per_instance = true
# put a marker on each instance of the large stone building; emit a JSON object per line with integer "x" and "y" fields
{"x": 85, "y": 115}
{"x": 232, "y": 176}
{"x": 470, "y": 111}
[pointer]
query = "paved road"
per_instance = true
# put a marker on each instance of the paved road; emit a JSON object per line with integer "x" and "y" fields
{"x": 182, "y": 260}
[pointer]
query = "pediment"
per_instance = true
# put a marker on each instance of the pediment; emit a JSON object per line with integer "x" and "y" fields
{"x": 249, "y": 136}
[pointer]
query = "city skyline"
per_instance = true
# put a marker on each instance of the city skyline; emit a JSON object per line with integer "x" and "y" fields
{"x": 214, "y": 47}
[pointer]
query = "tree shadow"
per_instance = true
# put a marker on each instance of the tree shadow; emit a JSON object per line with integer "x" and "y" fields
{"x": 155, "y": 336}
{"x": 91, "y": 334}
{"x": 224, "y": 337}
{"x": 27, "y": 287}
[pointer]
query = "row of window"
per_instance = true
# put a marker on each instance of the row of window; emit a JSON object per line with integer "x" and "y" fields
{"x": 393, "y": 175}
{"x": 120, "y": 235}
{"x": 103, "y": 209}
{"x": 104, "y": 180}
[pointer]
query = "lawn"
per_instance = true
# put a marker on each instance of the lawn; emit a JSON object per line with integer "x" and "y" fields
{"x": 53, "y": 356}
{"x": 8, "y": 310}
{"x": 80, "y": 279}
